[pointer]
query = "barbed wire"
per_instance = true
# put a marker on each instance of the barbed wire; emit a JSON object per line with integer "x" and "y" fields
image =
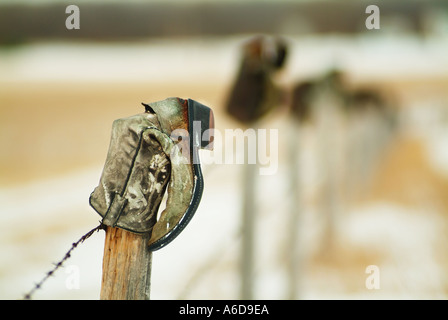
{"x": 37, "y": 286}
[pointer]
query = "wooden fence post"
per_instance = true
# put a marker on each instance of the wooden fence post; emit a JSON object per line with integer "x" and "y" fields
{"x": 248, "y": 230}
{"x": 126, "y": 266}
{"x": 296, "y": 206}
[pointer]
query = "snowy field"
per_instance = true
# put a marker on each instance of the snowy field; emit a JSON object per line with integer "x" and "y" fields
{"x": 57, "y": 104}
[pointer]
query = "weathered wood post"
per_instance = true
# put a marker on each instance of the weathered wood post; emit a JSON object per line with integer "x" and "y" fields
{"x": 300, "y": 116}
{"x": 253, "y": 95}
{"x": 126, "y": 266}
{"x": 329, "y": 102}
{"x": 248, "y": 219}
{"x": 370, "y": 123}
{"x": 295, "y": 209}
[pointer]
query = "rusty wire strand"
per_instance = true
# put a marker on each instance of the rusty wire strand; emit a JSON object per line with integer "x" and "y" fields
{"x": 38, "y": 285}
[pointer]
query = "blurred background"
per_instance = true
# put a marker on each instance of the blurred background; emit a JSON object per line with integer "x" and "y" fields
{"x": 361, "y": 182}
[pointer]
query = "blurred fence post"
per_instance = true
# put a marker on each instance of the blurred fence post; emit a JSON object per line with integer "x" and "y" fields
{"x": 248, "y": 226}
{"x": 295, "y": 208}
